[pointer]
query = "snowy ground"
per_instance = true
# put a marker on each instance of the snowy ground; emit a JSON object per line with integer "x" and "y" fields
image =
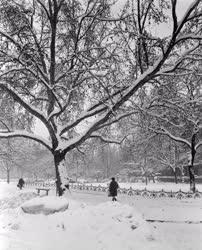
{"x": 94, "y": 222}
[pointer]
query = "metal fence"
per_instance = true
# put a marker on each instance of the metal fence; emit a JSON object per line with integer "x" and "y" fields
{"x": 127, "y": 191}
{"x": 144, "y": 192}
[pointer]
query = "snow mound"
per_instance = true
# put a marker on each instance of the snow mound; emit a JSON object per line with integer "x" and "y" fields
{"x": 46, "y": 205}
{"x": 16, "y": 200}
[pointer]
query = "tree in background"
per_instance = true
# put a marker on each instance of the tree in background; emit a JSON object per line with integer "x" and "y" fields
{"x": 169, "y": 156}
{"x": 6, "y": 159}
{"x": 12, "y": 116}
{"x": 174, "y": 110}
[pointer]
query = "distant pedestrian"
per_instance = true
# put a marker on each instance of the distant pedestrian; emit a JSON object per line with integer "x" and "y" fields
{"x": 21, "y": 183}
{"x": 113, "y": 186}
{"x": 67, "y": 185}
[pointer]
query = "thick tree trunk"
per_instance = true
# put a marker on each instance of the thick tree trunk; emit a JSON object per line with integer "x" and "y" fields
{"x": 59, "y": 163}
{"x": 192, "y": 178}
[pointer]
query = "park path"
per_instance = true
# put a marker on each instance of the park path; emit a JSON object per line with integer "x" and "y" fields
{"x": 168, "y": 209}
{"x": 152, "y": 208}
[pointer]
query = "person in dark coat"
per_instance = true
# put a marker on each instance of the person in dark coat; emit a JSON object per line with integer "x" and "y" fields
{"x": 113, "y": 186}
{"x": 21, "y": 183}
{"x": 67, "y": 185}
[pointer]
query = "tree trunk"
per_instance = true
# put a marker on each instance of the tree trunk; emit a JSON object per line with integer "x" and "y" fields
{"x": 77, "y": 169}
{"x": 8, "y": 176}
{"x": 182, "y": 174}
{"x": 192, "y": 178}
{"x": 191, "y": 166}
{"x": 59, "y": 163}
{"x": 146, "y": 180}
{"x": 35, "y": 176}
{"x": 175, "y": 175}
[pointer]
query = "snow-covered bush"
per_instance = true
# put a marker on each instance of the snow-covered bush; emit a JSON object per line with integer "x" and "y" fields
{"x": 45, "y": 205}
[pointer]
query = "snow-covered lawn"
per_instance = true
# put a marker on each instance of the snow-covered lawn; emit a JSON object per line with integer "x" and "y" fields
{"x": 93, "y": 222}
{"x": 106, "y": 226}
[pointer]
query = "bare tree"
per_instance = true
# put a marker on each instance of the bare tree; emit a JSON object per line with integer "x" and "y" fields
{"x": 6, "y": 157}
{"x": 176, "y": 114}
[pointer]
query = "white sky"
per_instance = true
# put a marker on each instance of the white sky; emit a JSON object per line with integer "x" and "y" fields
{"x": 40, "y": 129}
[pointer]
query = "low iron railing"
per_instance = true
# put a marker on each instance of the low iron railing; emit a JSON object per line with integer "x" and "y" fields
{"x": 127, "y": 191}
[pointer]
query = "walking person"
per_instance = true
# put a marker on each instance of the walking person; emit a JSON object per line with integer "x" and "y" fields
{"x": 67, "y": 185}
{"x": 21, "y": 183}
{"x": 113, "y": 186}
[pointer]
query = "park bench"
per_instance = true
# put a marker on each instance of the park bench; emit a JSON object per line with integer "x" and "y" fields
{"x": 44, "y": 189}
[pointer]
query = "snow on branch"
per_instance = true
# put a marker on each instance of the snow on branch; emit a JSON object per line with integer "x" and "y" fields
{"x": 44, "y": 8}
{"x": 43, "y": 77}
{"x": 5, "y": 125}
{"x": 189, "y": 36}
{"x": 45, "y": 82}
{"x": 24, "y": 134}
{"x": 34, "y": 111}
{"x": 83, "y": 116}
{"x": 117, "y": 118}
{"x": 11, "y": 71}
{"x": 10, "y": 39}
{"x": 162, "y": 117}
{"x": 75, "y": 142}
{"x": 179, "y": 61}
{"x": 165, "y": 161}
{"x": 163, "y": 131}
{"x": 102, "y": 102}
{"x": 94, "y": 126}
{"x": 106, "y": 139}
{"x": 199, "y": 144}
{"x": 187, "y": 15}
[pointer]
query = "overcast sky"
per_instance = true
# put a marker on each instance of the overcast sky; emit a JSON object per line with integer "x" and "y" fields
{"x": 164, "y": 29}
